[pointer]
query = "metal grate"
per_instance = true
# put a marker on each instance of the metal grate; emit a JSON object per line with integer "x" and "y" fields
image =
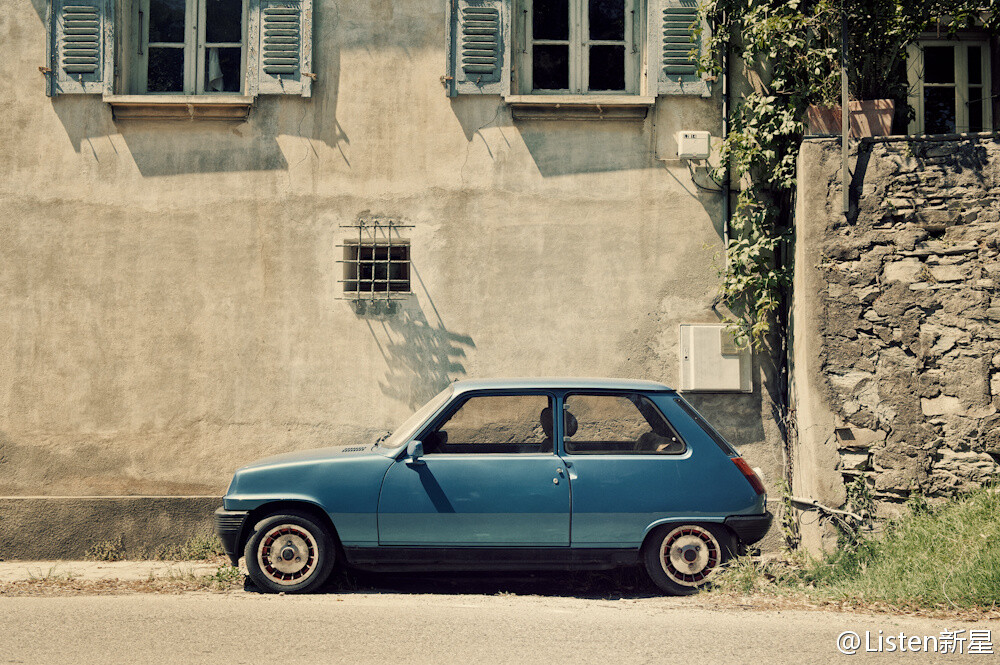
{"x": 376, "y": 262}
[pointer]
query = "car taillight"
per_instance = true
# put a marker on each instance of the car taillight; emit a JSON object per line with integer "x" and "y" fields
{"x": 749, "y": 474}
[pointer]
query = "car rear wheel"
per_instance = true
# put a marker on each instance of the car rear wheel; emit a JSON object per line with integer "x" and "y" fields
{"x": 683, "y": 558}
{"x": 290, "y": 553}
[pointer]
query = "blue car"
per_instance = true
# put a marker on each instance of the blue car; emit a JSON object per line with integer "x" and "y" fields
{"x": 512, "y": 474}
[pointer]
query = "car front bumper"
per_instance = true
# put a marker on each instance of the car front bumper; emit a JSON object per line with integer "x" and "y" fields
{"x": 749, "y": 528}
{"x": 229, "y": 527}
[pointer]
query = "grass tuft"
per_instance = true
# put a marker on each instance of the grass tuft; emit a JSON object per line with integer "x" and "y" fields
{"x": 198, "y": 548}
{"x": 943, "y": 556}
{"x": 107, "y": 550}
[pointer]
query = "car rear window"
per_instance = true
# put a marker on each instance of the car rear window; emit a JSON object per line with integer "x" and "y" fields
{"x": 617, "y": 424}
{"x": 709, "y": 430}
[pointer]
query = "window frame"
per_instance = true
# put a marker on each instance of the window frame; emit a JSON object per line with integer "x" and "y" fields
{"x": 135, "y": 65}
{"x": 460, "y": 400}
{"x": 916, "y": 78}
{"x": 579, "y": 43}
{"x": 685, "y": 448}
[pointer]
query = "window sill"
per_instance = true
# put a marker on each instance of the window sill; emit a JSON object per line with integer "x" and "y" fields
{"x": 180, "y": 107}
{"x": 579, "y": 107}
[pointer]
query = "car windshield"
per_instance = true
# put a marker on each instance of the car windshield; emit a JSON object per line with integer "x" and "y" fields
{"x": 408, "y": 428}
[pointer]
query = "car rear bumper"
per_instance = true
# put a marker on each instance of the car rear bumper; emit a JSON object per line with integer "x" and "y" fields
{"x": 749, "y": 528}
{"x": 229, "y": 527}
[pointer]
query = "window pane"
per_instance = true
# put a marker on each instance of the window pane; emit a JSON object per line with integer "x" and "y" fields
{"x": 166, "y": 20}
{"x": 166, "y": 70}
{"x": 550, "y": 67}
{"x": 975, "y": 65}
{"x": 939, "y": 64}
{"x": 550, "y": 19}
{"x": 617, "y": 424}
{"x": 976, "y": 109}
{"x": 222, "y": 70}
{"x": 939, "y": 110}
{"x": 223, "y": 21}
{"x": 607, "y": 19}
{"x": 607, "y": 67}
{"x": 495, "y": 424}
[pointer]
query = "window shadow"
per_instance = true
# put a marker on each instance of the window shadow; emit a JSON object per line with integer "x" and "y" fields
{"x": 558, "y": 147}
{"x": 567, "y": 147}
{"x": 421, "y": 357}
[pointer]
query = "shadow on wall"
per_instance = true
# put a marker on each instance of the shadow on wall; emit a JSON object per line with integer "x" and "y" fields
{"x": 177, "y": 147}
{"x": 700, "y": 186}
{"x": 421, "y": 358}
{"x": 560, "y": 147}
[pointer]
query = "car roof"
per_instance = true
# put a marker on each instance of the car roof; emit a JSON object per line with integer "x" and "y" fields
{"x": 573, "y": 383}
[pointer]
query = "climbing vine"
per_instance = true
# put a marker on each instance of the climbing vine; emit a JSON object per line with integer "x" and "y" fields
{"x": 788, "y": 52}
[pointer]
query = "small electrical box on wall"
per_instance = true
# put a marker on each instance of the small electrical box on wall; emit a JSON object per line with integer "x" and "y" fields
{"x": 694, "y": 145}
{"x": 711, "y": 361}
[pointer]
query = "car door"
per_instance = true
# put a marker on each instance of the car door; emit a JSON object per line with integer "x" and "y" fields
{"x": 489, "y": 476}
{"x": 628, "y": 468}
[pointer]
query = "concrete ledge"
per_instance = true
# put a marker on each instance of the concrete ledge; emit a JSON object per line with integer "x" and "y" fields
{"x": 65, "y": 527}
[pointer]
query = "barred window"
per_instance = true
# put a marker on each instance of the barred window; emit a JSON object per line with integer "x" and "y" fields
{"x": 373, "y": 268}
{"x": 376, "y": 260}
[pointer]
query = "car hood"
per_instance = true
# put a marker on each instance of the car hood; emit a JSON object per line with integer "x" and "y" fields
{"x": 313, "y": 455}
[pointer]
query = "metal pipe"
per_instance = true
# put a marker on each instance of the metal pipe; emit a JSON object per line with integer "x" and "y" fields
{"x": 726, "y": 213}
{"x": 845, "y": 116}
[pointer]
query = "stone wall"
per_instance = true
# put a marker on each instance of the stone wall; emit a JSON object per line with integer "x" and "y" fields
{"x": 905, "y": 311}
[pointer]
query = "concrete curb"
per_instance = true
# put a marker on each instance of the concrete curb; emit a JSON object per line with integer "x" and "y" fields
{"x": 41, "y": 528}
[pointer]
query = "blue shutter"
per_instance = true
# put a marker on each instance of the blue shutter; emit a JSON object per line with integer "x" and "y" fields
{"x": 81, "y": 34}
{"x": 671, "y": 26}
{"x": 478, "y": 47}
{"x": 280, "y": 36}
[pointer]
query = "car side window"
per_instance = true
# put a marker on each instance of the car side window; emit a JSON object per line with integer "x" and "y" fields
{"x": 495, "y": 424}
{"x": 618, "y": 425}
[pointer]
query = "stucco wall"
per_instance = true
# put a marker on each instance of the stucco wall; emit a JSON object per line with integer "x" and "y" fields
{"x": 170, "y": 289}
{"x": 896, "y": 340}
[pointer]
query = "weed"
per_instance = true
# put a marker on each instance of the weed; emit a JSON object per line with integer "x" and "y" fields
{"x": 947, "y": 556}
{"x": 195, "y": 549}
{"x": 107, "y": 550}
{"x": 226, "y": 577}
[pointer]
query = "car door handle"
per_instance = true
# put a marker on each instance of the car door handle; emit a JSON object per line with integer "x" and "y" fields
{"x": 560, "y": 471}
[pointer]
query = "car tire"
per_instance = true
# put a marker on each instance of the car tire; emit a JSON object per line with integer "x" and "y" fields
{"x": 290, "y": 553}
{"x": 681, "y": 559}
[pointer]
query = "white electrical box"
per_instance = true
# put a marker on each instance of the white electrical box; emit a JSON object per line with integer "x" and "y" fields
{"x": 694, "y": 145}
{"x": 711, "y": 361}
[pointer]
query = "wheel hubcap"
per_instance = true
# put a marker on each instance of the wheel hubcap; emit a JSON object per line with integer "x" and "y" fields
{"x": 690, "y": 555}
{"x": 287, "y": 554}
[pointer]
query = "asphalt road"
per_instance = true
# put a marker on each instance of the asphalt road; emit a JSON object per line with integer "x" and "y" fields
{"x": 420, "y": 627}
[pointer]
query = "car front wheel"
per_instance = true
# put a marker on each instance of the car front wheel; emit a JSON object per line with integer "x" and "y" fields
{"x": 681, "y": 559}
{"x": 290, "y": 553}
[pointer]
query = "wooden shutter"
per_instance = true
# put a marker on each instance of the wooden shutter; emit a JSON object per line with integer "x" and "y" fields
{"x": 478, "y": 47}
{"x": 280, "y": 37}
{"x": 671, "y": 24}
{"x": 81, "y": 33}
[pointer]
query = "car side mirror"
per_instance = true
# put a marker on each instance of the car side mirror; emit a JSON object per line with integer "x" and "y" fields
{"x": 414, "y": 451}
